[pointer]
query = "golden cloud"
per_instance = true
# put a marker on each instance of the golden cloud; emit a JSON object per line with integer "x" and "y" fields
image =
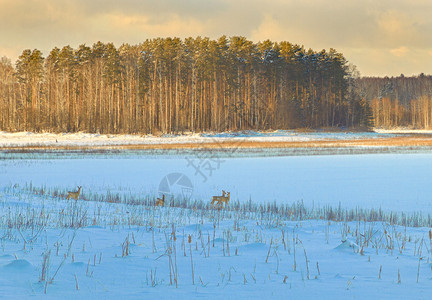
{"x": 399, "y": 52}
{"x": 143, "y": 25}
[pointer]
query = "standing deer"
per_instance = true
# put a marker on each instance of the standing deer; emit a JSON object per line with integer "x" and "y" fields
{"x": 160, "y": 202}
{"x": 224, "y": 199}
{"x": 216, "y": 198}
{"x": 221, "y": 199}
{"x": 74, "y": 195}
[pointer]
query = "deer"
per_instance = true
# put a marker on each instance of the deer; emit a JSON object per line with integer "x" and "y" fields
{"x": 160, "y": 202}
{"x": 221, "y": 199}
{"x": 74, "y": 195}
{"x": 224, "y": 199}
{"x": 216, "y": 198}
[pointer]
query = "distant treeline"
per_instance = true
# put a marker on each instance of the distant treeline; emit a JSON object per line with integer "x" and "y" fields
{"x": 399, "y": 101}
{"x": 171, "y": 85}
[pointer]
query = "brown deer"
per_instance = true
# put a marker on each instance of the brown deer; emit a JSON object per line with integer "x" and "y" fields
{"x": 216, "y": 198}
{"x": 221, "y": 199}
{"x": 160, "y": 202}
{"x": 74, "y": 195}
{"x": 224, "y": 199}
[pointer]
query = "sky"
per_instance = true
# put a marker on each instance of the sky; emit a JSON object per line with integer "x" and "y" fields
{"x": 380, "y": 37}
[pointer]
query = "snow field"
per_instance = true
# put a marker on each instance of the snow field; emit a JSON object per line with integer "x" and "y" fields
{"x": 51, "y": 248}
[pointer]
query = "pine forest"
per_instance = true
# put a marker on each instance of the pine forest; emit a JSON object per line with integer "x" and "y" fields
{"x": 170, "y": 85}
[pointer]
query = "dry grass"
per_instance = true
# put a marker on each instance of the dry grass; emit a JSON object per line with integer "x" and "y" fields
{"x": 404, "y": 141}
{"x": 141, "y": 211}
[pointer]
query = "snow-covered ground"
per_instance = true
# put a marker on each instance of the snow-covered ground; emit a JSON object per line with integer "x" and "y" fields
{"x": 126, "y": 254}
{"x": 22, "y": 139}
{"x": 127, "y": 251}
{"x": 402, "y": 131}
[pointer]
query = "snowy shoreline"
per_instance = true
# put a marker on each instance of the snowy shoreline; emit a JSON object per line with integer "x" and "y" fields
{"x": 30, "y": 139}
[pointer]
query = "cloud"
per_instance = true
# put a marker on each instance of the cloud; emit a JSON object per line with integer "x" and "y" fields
{"x": 186, "y": 8}
{"x": 398, "y": 28}
{"x": 399, "y": 52}
{"x": 384, "y": 62}
{"x": 146, "y": 26}
{"x": 391, "y": 29}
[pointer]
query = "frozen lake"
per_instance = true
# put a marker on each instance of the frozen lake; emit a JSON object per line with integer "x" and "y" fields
{"x": 398, "y": 182}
